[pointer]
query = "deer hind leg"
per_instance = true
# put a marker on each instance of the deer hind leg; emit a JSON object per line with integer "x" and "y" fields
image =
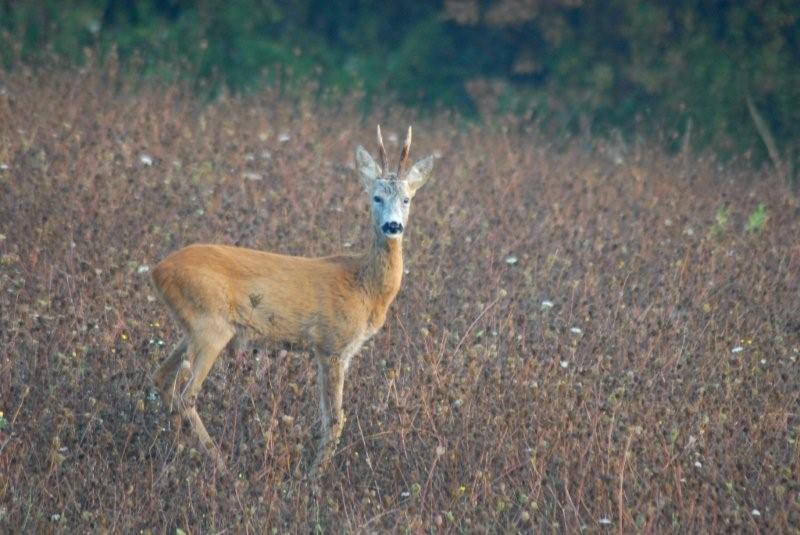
{"x": 166, "y": 377}
{"x": 207, "y": 341}
{"x": 330, "y": 380}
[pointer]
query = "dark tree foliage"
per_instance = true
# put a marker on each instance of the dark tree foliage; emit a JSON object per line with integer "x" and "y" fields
{"x": 644, "y": 67}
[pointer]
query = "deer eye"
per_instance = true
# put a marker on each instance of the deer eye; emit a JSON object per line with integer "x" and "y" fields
{"x": 406, "y": 200}
{"x": 377, "y": 199}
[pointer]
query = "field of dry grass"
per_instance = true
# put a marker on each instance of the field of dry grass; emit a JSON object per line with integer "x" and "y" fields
{"x": 581, "y": 342}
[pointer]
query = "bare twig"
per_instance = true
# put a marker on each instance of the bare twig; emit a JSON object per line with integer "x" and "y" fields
{"x": 621, "y": 491}
{"x": 766, "y": 137}
{"x": 686, "y": 145}
{"x": 19, "y": 407}
{"x": 687, "y": 138}
{"x": 475, "y": 322}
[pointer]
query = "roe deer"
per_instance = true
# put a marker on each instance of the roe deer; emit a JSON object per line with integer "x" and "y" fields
{"x": 329, "y": 306}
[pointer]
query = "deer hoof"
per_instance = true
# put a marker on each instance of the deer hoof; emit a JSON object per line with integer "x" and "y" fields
{"x": 322, "y": 462}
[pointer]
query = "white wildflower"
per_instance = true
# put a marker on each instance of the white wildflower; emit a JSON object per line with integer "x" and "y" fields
{"x": 605, "y": 521}
{"x": 511, "y": 260}
{"x": 144, "y": 268}
{"x": 737, "y": 349}
{"x": 564, "y": 364}
{"x": 576, "y": 330}
{"x": 755, "y": 512}
{"x": 284, "y": 137}
{"x": 547, "y": 304}
{"x": 146, "y": 159}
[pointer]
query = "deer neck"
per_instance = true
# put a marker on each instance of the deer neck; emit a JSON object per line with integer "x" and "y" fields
{"x": 382, "y": 270}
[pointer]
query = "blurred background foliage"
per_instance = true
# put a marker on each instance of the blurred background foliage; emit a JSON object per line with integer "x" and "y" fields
{"x": 637, "y": 67}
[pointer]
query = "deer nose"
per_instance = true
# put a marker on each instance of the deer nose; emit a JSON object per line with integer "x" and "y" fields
{"x": 392, "y": 227}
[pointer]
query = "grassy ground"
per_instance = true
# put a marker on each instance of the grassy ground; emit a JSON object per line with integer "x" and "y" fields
{"x": 584, "y": 340}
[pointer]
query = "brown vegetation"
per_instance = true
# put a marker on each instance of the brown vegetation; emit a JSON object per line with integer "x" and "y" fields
{"x": 580, "y": 340}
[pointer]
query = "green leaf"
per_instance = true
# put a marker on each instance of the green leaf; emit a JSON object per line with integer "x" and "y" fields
{"x": 757, "y": 219}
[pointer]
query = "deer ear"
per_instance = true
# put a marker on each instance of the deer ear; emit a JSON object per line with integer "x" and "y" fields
{"x": 368, "y": 170}
{"x": 418, "y": 174}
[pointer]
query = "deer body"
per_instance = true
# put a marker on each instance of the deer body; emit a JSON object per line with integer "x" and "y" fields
{"x": 329, "y": 306}
{"x": 322, "y": 304}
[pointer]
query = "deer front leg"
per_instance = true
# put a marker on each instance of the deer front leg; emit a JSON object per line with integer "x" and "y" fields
{"x": 330, "y": 380}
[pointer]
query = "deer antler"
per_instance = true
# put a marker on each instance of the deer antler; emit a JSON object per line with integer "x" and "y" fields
{"x": 404, "y": 154}
{"x": 382, "y": 153}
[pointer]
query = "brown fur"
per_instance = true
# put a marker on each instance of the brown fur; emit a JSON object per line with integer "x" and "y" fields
{"x": 284, "y": 298}
{"x": 328, "y": 305}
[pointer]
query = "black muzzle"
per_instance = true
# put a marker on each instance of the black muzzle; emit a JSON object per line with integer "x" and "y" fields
{"x": 392, "y": 227}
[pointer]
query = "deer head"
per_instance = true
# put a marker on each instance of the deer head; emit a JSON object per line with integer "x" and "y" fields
{"x": 390, "y": 193}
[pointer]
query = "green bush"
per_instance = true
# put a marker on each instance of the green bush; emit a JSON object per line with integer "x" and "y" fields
{"x": 643, "y": 67}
